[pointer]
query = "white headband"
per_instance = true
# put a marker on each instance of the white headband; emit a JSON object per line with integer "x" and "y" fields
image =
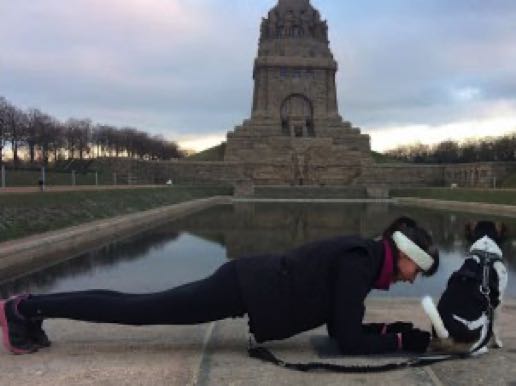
{"x": 413, "y": 251}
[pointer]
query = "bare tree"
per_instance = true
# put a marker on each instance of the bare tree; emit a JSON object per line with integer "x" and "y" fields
{"x": 46, "y": 132}
{"x": 100, "y": 138}
{"x": 73, "y": 129}
{"x": 83, "y": 136}
{"x": 128, "y": 140}
{"x": 116, "y": 141}
{"x": 469, "y": 151}
{"x": 143, "y": 144}
{"x": 40, "y": 131}
{"x": 17, "y": 123}
{"x": 446, "y": 152}
{"x": 3, "y": 126}
{"x": 36, "y": 125}
{"x": 57, "y": 142}
{"x": 485, "y": 150}
{"x": 504, "y": 148}
{"x": 164, "y": 150}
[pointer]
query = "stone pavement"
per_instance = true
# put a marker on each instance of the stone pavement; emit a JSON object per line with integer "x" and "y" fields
{"x": 215, "y": 354}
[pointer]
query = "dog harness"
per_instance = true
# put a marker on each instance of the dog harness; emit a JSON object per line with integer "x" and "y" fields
{"x": 487, "y": 260}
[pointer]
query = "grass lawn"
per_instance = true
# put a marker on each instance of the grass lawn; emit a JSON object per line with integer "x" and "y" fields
{"x": 215, "y": 153}
{"x": 509, "y": 181}
{"x": 30, "y": 213}
{"x": 491, "y": 196}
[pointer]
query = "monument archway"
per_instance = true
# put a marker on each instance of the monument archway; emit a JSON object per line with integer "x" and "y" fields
{"x": 297, "y": 116}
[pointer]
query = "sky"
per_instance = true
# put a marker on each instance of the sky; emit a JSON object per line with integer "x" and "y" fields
{"x": 409, "y": 70}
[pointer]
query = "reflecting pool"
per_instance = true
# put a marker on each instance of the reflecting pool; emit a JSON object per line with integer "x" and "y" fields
{"x": 192, "y": 247}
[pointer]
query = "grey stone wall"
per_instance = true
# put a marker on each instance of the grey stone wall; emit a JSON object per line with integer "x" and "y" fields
{"x": 401, "y": 175}
{"x": 481, "y": 175}
{"x": 179, "y": 171}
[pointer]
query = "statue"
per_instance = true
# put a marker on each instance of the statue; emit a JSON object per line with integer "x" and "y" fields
{"x": 264, "y": 29}
{"x": 307, "y": 23}
{"x": 273, "y": 24}
{"x": 289, "y": 23}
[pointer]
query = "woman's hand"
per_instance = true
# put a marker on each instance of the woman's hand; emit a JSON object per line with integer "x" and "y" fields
{"x": 415, "y": 340}
{"x": 393, "y": 328}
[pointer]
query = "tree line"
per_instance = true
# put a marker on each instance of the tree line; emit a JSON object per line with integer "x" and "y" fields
{"x": 501, "y": 148}
{"x": 43, "y": 138}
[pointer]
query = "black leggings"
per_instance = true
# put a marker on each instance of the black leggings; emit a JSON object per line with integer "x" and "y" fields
{"x": 213, "y": 298}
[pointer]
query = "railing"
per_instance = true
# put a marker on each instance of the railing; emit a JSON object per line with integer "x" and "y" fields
{"x": 10, "y": 177}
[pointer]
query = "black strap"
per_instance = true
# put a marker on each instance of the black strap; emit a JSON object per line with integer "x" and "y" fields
{"x": 490, "y": 317}
{"x": 266, "y": 355}
{"x": 487, "y": 257}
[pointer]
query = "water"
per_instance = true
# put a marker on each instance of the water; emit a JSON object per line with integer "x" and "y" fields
{"x": 193, "y": 247}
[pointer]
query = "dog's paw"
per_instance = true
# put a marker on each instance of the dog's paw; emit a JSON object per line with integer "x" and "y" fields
{"x": 481, "y": 351}
{"x": 497, "y": 343}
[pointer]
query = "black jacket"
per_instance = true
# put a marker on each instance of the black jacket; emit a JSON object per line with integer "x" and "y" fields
{"x": 321, "y": 282}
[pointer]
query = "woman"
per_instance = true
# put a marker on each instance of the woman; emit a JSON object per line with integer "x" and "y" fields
{"x": 323, "y": 282}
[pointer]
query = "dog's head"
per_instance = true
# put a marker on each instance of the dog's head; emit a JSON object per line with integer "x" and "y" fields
{"x": 476, "y": 230}
{"x": 460, "y": 321}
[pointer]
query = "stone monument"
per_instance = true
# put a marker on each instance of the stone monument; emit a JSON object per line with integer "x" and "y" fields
{"x": 295, "y": 134}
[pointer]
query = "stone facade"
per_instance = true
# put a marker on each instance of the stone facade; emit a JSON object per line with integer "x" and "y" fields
{"x": 475, "y": 175}
{"x": 295, "y": 134}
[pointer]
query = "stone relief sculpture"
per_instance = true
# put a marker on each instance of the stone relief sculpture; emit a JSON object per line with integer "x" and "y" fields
{"x": 294, "y": 23}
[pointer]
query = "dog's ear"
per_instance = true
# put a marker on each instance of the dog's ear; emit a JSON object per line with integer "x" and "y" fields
{"x": 469, "y": 229}
{"x": 501, "y": 231}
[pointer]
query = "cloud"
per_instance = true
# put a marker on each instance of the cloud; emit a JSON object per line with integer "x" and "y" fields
{"x": 184, "y": 67}
{"x": 492, "y": 121}
{"x": 205, "y": 142}
{"x": 466, "y": 94}
{"x": 406, "y": 57}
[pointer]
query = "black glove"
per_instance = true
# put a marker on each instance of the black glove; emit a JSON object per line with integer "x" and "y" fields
{"x": 393, "y": 328}
{"x": 415, "y": 340}
{"x": 387, "y": 328}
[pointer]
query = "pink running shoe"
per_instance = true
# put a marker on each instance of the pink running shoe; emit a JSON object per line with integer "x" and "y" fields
{"x": 15, "y": 331}
{"x": 35, "y": 330}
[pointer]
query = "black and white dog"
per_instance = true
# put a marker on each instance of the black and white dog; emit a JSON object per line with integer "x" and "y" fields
{"x": 465, "y": 318}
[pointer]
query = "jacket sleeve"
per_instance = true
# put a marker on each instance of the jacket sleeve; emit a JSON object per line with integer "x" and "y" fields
{"x": 367, "y": 328}
{"x": 353, "y": 283}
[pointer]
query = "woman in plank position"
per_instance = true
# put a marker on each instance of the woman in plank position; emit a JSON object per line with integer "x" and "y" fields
{"x": 322, "y": 282}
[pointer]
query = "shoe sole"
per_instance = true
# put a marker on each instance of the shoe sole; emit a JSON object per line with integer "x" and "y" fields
{"x": 5, "y": 334}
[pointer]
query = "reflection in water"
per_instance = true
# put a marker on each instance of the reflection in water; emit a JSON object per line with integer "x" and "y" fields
{"x": 253, "y": 228}
{"x": 108, "y": 255}
{"x": 165, "y": 257}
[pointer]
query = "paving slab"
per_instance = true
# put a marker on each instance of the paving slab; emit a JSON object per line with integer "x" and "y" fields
{"x": 226, "y": 363}
{"x": 216, "y": 354}
{"x": 102, "y": 354}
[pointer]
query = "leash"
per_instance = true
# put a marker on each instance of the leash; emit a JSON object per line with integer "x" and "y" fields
{"x": 266, "y": 355}
{"x": 487, "y": 260}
